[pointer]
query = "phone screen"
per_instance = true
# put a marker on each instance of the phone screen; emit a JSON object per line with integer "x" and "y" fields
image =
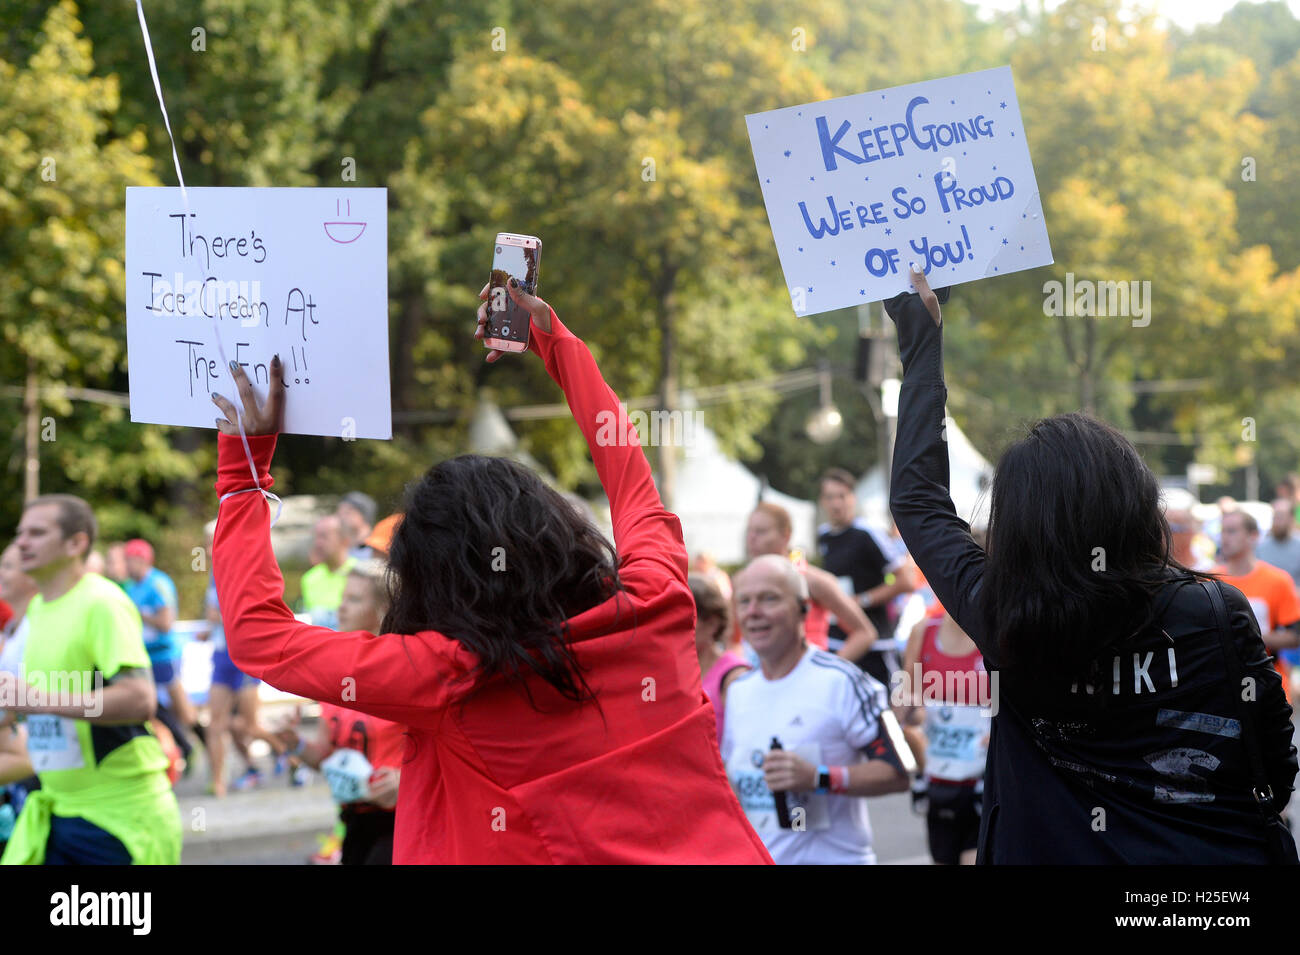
{"x": 516, "y": 257}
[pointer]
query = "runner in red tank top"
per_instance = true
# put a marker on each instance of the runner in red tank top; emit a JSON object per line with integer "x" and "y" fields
{"x": 944, "y": 681}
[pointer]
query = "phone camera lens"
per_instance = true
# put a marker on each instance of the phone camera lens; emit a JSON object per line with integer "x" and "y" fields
{"x": 498, "y": 250}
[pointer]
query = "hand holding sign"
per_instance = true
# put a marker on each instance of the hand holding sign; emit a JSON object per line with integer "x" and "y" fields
{"x": 922, "y": 286}
{"x": 259, "y": 417}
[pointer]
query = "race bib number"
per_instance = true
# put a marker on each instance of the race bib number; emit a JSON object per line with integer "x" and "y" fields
{"x": 957, "y": 738}
{"x": 52, "y": 743}
{"x": 348, "y": 773}
{"x": 808, "y": 811}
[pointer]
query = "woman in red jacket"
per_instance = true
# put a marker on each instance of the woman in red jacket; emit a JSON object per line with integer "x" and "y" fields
{"x": 550, "y": 685}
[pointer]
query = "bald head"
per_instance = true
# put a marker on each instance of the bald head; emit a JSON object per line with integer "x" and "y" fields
{"x": 770, "y": 600}
{"x": 779, "y": 568}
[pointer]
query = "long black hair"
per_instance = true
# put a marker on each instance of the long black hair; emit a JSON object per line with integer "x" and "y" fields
{"x": 490, "y": 556}
{"x": 1078, "y": 546}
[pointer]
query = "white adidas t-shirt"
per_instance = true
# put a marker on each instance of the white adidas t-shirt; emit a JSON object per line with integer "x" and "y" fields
{"x": 828, "y": 712}
{"x": 11, "y": 656}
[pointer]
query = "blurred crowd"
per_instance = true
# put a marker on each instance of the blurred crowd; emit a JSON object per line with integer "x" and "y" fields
{"x": 833, "y": 671}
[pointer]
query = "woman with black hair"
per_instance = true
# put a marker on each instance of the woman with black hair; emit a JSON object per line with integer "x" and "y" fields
{"x": 1137, "y": 719}
{"x": 549, "y": 683}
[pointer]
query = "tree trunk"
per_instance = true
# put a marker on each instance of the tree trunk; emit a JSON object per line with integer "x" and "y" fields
{"x": 31, "y": 411}
{"x": 1088, "y": 373}
{"x": 668, "y": 397}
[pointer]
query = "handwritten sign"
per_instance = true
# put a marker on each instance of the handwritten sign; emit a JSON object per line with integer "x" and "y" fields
{"x": 302, "y": 273}
{"x": 936, "y": 173}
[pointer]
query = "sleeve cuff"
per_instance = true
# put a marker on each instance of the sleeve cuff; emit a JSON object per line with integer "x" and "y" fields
{"x": 543, "y": 342}
{"x": 233, "y": 471}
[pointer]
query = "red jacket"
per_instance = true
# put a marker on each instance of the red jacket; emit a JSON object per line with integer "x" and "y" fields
{"x": 487, "y": 778}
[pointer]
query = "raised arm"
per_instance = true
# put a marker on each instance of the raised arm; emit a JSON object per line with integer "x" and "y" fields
{"x": 938, "y": 540}
{"x": 859, "y": 632}
{"x": 396, "y": 677}
{"x": 644, "y": 531}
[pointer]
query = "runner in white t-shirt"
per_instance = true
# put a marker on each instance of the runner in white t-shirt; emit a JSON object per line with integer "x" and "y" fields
{"x": 839, "y": 740}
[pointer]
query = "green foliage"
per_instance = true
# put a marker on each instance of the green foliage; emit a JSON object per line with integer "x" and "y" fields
{"x": 615, "y": 132}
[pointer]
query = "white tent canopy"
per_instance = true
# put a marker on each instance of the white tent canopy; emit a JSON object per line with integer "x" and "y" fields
{"x": 969, "y": 474}
{"x": 715, "y": 496}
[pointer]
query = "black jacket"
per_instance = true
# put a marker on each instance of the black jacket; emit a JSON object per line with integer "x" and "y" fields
{"x": 1146, "y": 764}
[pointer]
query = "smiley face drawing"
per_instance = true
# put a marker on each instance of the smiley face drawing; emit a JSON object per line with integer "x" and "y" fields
{"x": 352, "y": 230}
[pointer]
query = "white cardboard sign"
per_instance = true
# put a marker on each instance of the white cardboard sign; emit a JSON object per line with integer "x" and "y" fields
{"x": 302, "y": 273}
{"x": 935, "y": 173}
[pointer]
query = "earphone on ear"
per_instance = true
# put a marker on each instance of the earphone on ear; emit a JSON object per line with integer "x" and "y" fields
{"x": 803, "y": 608}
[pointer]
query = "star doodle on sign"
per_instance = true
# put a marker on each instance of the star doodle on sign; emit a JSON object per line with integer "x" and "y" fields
{"x": 1004, "y": 242}
{"x": 1003, "y": 104}
{"x": 787, "y": 154}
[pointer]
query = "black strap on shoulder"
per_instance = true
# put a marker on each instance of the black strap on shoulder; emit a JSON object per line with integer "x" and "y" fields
{"x": 1260, "y": 789}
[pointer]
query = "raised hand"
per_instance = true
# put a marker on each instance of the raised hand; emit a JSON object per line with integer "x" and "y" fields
{"x": 259, "y": 418}
{"x": 538, "y": 309}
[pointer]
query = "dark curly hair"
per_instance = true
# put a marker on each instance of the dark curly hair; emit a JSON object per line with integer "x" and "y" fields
{"x": 488, "y": 555}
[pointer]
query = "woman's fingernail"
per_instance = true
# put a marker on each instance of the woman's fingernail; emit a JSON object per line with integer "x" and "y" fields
{"x": 219, "y": 421}
{"x": 234, "y": 365}
{"x": 275, "y": 361}
{"x": 514, "y": 284}
{"x": 214, "y": 398}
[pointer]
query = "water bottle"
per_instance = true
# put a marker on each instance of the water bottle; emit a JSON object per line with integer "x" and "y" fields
{"x": 782, "y": 805}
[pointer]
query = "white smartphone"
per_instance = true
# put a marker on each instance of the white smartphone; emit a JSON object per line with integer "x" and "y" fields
{"x": 517, "y": 257}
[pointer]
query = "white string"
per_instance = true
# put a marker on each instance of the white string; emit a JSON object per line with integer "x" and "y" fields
{"x": 185, "y": 199}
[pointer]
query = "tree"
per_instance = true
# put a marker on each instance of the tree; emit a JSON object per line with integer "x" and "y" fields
{"x": 61, "y": 227}
{"x": 1135, "y": 156}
